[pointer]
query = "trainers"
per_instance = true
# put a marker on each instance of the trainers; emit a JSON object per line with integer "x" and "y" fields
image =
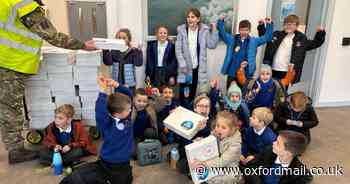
{"x": 21, "y": 155}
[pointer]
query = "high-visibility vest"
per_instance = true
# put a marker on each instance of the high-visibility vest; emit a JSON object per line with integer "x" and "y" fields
{"x": 19, "y": 47}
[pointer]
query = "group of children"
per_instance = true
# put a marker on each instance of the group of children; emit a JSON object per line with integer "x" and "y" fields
{"x": 255, "y": 122}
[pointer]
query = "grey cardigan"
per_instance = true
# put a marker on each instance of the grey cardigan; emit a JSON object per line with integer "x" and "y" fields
{"x": 206, "y": 39}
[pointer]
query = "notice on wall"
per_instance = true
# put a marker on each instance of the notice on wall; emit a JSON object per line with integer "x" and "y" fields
{"x": 287, "y": 7}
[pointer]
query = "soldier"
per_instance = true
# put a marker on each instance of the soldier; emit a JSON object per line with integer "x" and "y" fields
{"x": 23, "y": 26}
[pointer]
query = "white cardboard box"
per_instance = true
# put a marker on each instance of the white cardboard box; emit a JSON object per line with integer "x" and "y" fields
{"x": 110, "y": 44}
{"x": 92, "y": 58}
{"x": 202, "y": 150}
{"x": 181, "y": 115}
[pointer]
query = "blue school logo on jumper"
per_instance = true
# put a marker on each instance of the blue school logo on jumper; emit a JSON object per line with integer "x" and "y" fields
{"x": 202, "y": 172}
{"x": 187, "y": 125}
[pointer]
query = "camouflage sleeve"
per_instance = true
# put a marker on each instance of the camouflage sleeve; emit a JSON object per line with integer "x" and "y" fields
{"x": 37, "y": 22}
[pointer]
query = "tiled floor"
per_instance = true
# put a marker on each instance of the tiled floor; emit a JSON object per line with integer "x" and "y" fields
{"x": 329, "y": 147}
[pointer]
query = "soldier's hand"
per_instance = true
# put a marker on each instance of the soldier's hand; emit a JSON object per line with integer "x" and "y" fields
{"x": 90, "y": 45}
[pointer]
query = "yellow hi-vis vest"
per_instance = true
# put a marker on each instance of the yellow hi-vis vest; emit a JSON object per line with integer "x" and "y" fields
{"x": 19, "y": 47}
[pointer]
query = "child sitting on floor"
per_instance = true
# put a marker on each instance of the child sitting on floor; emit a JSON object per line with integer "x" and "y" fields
{"x": 229, "y": 148}
{"x": 296, "y": 114}
{"x": 258, "y": 136}
{"x": 66, "y": 136}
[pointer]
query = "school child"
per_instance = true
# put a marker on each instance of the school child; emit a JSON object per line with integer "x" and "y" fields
{"x": 296, "y": 114}
{"x": 229, "y": 142}
{"x": 258, "y": 136}
{"x": 123, "y": 63}
{"x": 161, "y": 66}
{"x": 66, "y": 136}
{"x": 283, "y": 155}
{"x": 113, "y": 120}
{"x": 242, "y": 48}
{"x": 289, "y": 46}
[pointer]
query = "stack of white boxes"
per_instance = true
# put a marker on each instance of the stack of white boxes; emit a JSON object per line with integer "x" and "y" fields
{"x": 38, "y": 99}
{"x": 85, "y": 74}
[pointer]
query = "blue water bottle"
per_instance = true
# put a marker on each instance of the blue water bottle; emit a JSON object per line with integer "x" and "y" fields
{"x": 57, "y": 162}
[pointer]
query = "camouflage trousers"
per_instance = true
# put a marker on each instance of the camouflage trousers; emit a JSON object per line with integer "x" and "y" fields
{"x": 12, "y": 117}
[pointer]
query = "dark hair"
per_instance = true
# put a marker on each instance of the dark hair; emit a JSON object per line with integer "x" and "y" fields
{"x": 164, "y": 87}
{"x": 160, "y": 26}
{"x": 126, "y": 31}
{"x": 40, "y": 2}
{"x": 195, "y": 12}
{"x": 294, "y": 142}
{"x": 140, "y": 91}
{"x": 117, "y": 103}
{"x": 245, "y": 24}
{"x": 291, "y": 19}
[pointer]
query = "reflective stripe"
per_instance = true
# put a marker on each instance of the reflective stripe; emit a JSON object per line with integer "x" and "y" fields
{"x": 19, "y": 46}
{"x": 13, "y": 13}
{"x": 14, "y": 29}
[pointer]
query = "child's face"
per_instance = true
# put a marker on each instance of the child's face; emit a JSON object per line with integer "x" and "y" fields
{"x": 222, "y": 130}
{"x": 192, "y": 20}
{"x": 61, "y": 120}
{"x": 255, "y": 122}
{"x": 234, "y": 97}
{"x": 244, "y": 32}
{"x": 203, "y": 107}
{"x": 162, "y": 34}
{"x": 290, "y": 27}
{"x": 140, "y": 102}
{"x": 265, "y": 76}
{"x": 123, "y": 36}
{"x": 124, "y": 114}
{"x": 168, "y": 94}
{"x": 279, "y": 149}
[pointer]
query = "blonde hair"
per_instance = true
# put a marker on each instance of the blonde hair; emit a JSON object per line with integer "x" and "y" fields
{"x": 299, "y": 100}
{"x": 263, "y": 114}
{"x": 66, "y": 109}
{"x": 229, "y": 118}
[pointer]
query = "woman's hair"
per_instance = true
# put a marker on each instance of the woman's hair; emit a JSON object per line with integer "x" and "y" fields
{"x": 229, "y": 118}
{"x": 66, "y": 109}
{"x": 126, "y": 31}
{"x": 299, "y": 100}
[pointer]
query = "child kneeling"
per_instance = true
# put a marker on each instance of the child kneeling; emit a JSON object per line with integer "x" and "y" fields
{"x": 68, "y": 137}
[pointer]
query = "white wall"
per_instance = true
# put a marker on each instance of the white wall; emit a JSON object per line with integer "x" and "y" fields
{"x": 335, "y": 82}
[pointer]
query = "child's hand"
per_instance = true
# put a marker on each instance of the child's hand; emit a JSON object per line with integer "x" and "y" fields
{"x": 184, "y": 70}
{"x": 102, "y": 82}
{"x": 244, "y": 64}
{"x": 261, "y": 21}
{"x": 112, "y": 83}
{"x": 214, "y": 83}
{"x": 66, "y": 148}
{"x": 195, "y": 164}
{"x": 172, "y": 81}
{"x": 300, "y": 124}
{"x": 289, "y": 122}
{"x": 213, "y": 27}
{"x": 268, "y": 20}
{"x": 249, "y": 158}
{"x": 155, "y": 91}
{"x": 319, "y": 28}
{"x": 202, "y": 124}
{"x": 58, "y": 148}
{"x": 242, "y": 158}
{"x": 165, "y": 131}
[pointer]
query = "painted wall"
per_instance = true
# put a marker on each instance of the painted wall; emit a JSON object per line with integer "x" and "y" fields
{"x": 335, "y": 85}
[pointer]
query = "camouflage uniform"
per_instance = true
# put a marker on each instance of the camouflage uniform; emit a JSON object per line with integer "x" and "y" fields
{"x": 12, "y": 82}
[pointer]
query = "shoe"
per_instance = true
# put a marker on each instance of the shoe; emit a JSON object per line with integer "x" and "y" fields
{"x": 21, "y": 155}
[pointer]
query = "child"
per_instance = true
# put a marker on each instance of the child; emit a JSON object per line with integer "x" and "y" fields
{"x": 296, "y": 114}
{"x": 241, "y": 48}
{"x": 233, "y": 102}
{"x": 66, "y": 136}
{"x": 289, "y": 46}
{"x": 114, "y": 122}
{"x": 264, "y": 91}
{"x": 143, "y": 117}
{"x": 201, "y": 105}
{"x": 161, "y": 67}
{"x": 229, "y": 142}
{"x": 123, "y": 63}
{"x": 193, "y": 39}
{"x": 258, "y": 135}
{"x": 283, "y": 155}
{"x": 166, "y": 136}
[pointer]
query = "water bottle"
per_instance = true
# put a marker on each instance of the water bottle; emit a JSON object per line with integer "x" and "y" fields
{"x": 174, "y": 157}
{"x": 57, "y": 162}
